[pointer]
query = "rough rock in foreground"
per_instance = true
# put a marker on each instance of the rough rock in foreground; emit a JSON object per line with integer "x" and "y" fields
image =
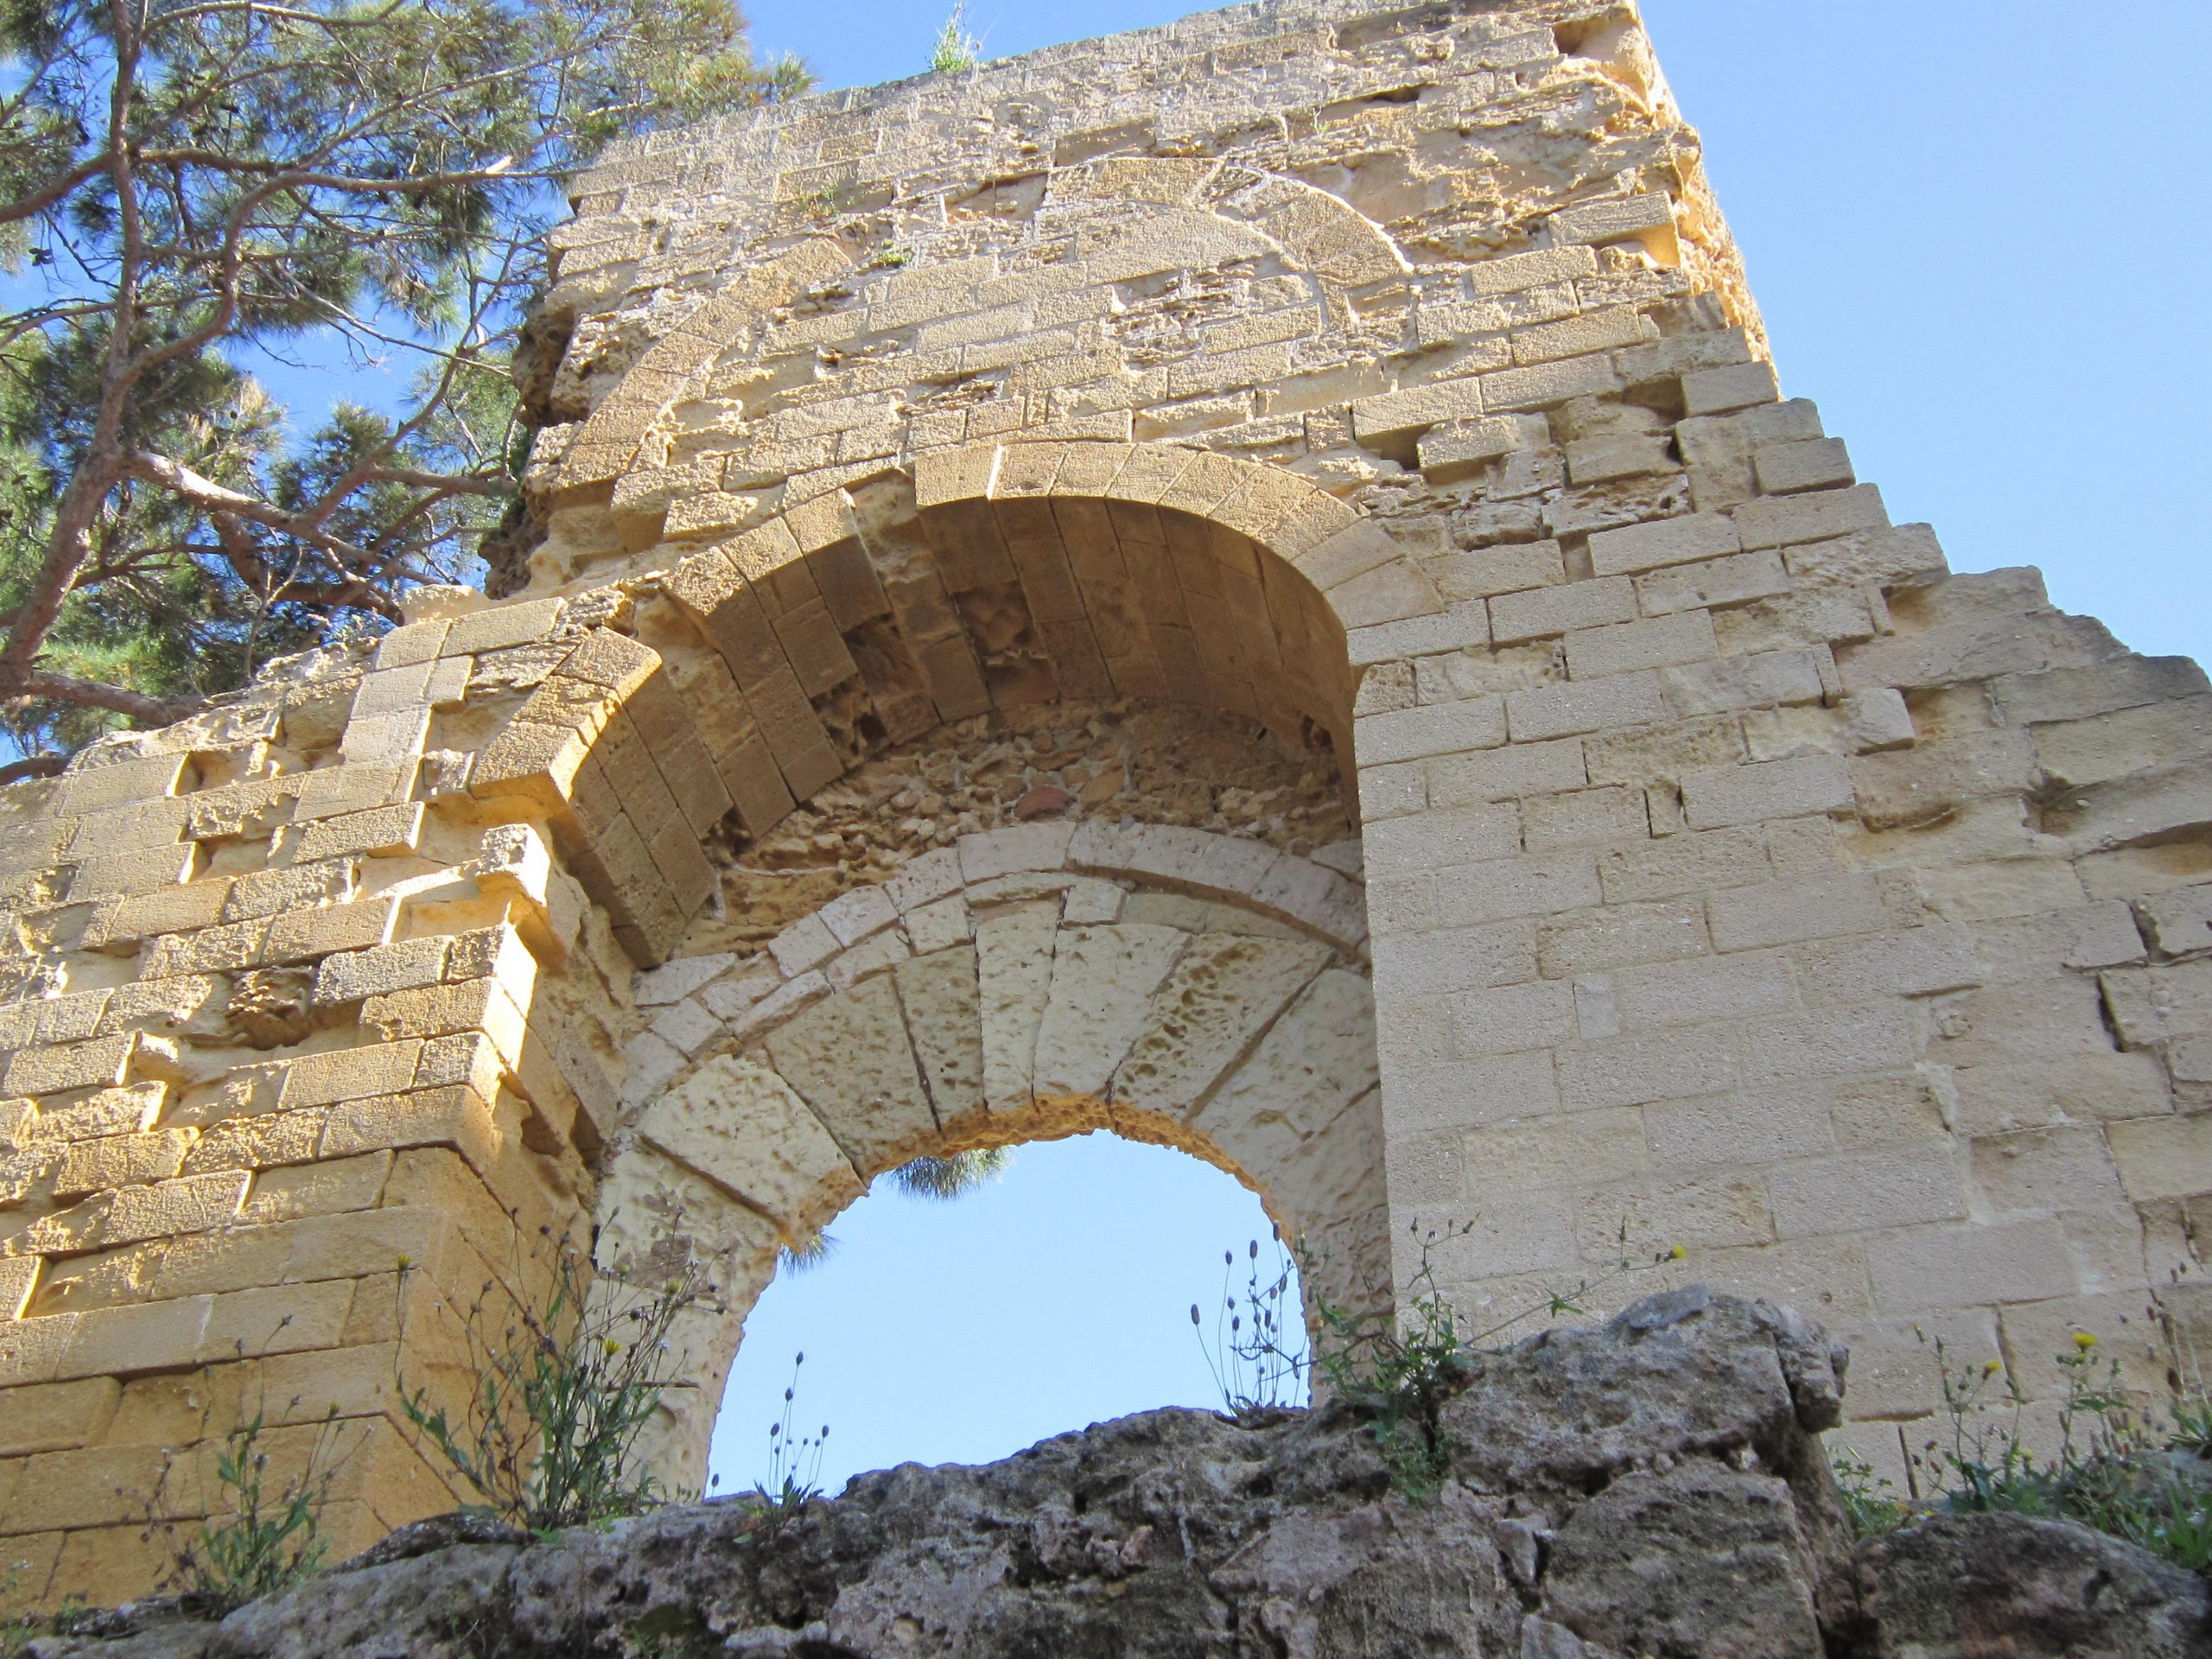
{"x": 1651, "y": 1486}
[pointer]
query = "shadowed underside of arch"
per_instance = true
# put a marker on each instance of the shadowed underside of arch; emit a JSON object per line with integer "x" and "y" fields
{"x": 1190, "y": 991}
{"x": 990, "y": 578}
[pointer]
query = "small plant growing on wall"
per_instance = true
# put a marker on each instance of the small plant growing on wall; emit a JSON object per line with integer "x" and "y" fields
{"x": 2118, "y": 1467}
{"x": 1257, "y": 1352}
{"x": 256, "y": 1532}
{"x": 956, "y": 51}
{"x": 794, "y": 1474}
{"x": 1400, "y": 1371}
{"x": 564, "y": 1389}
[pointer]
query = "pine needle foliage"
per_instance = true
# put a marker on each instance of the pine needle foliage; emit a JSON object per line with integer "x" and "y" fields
{"x": 193, "y": 188}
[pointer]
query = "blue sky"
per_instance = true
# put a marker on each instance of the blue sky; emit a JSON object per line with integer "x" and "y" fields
{"x": 1978, "y": 233}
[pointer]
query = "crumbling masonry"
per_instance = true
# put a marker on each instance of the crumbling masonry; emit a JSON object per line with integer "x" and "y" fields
{"x": 1247, "y": 584}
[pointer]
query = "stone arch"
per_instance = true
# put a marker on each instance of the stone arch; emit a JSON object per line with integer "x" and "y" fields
{"x": 1193, "y": 990}
{"x": 1195, "y": 213}
{"x": 991, "y": 576}
{"x": 605, "y": 444}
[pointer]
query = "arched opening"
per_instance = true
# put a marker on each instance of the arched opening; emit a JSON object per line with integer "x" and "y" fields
{"x": 1194, "y": 991}
{"x": 1053, "y": 1296}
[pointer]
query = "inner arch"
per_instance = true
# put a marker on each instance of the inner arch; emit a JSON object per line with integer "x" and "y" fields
{"x": 1193, "y": 990}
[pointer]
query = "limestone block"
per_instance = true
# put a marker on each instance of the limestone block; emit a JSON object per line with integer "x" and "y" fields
{"x": 1543, "y": 611}
{"x": 1956, "y": 1266}
{"x": 1585, "y": 706}
{"x": 1685, "y": 540}
{"x": 1457, "y": 449}
{"x": 2179, "y": 922}
{"x": 1655, "y": 642}
{"x": 57, "y": 1416}
{"x": 1876, "y": 720}
{"x": 941, "y": 998}
{"x": 1223, "y": 993}
{"x": 370, "y": 1069}
{"x": 2048, "y": 1017}
{"x": 1489, "y": 572}
{"x": 1867, "y": 1191}
{"x": 1761, "y": 679}
{"x": 1730, "y": 580}
{"x": 1446, "y": 627}
{"x": 353, "y": 975}
{"x": 656, "y": 1215}
{"x": 1782, "y": 520}
{"x": 31, "y": 1349}
{"x": 1102, "y": 980}
{"x": 854, "y": 915}
{"x": 1416, "y": 408}
{"x": 17, "y": 1276}
{"x": 2101, "y": 746}
{"x": 1087, "y": 900}
{"x": 1511, "y": 1018}
{"x": 926, "y": 879}
{"x": 1666, "y": 753}
{"x": 2083, "y": 1088}
{"x": 674, "y": 981}
{"x": 741, "y": 1126}
{"x": 101, "y": 1063}
{"x": 851, "y": 1059}
{"x": 436, "y": 1010}
{"x": 2062, "y": 694}
{"x": 1004, "y": 852}
{"x": 1314, "y": 1061}
{"x": 298, "y": 936}
{"x": 803, "y": 946}
{"x": 1712, "y": 392}
{"x": 2153, "y": 1005}
{"x": 1783, "y": 912}
{"x": 1442, "y": 837}
{"x": 1608, "y": 455}
{"x": 1774, "y": 789}
{"x": 778, "y": 1005}
{"x": 1574, "y": 1150}
{"x": 940, "y": 926}
{"x": 1501, "y": 774}
{"x": 1013, "y": 959}
{"x": 1542, "y": 385}
{"x": 1907, "y": 961}
{"x": 121, "y": 1161}
{"x": 1335, "y": 1172}
{"x": 687, "y": 1027}
{"x": 1505, "y": 887}
{"x": 128, "y": 1110}
{"x": 1443, "y": 729}
{"x": 1807, "y": 464}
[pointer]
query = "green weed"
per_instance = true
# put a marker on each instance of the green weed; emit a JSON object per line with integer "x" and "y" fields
{"x": 794, "y": 1474}
{"x": 2120, "y": 1466}
{"x": 956, "y": 51}
{"x": 1258, "y": 1352}
{"x": 563, "y": 1390}
{"x": 1400, "y": 1372}
{"x": 265, "y": 1540}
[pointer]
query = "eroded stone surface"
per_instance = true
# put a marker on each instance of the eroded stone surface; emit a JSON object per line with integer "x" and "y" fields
{"x": 1704, "y": 1525}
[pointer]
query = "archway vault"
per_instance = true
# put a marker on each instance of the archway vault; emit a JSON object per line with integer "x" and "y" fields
{"x": 1192, "y": 990}
{"x": 989, "y": 577}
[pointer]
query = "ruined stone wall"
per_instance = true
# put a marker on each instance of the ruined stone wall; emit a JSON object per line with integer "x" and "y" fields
{"x": 1248, "y": 584}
